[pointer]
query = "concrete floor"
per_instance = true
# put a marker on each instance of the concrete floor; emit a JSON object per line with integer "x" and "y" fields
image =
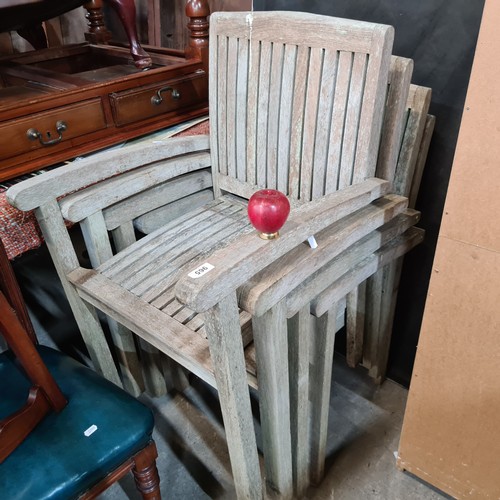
{"x": 365, "y": 424}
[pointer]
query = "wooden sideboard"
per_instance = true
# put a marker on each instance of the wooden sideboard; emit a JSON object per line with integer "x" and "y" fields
{"x": 59, "y": 103}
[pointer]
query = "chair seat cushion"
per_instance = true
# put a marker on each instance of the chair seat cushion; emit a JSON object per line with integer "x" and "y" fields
{"x": 62, "y": 457}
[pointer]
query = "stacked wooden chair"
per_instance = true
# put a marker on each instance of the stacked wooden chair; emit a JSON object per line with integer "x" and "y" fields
{"x": 297, "y": 104}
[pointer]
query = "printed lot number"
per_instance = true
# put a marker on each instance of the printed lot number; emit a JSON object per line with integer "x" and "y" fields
{"x": 200, "y": 271}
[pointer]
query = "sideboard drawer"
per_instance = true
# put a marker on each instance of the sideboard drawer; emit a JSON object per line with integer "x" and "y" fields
{"x": 149, "y": 101}
{"x": 40, "y": 131}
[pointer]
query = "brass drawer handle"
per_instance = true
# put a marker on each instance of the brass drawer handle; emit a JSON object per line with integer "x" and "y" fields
{"x": 157, "y": 99}
{"x": 33, "y": 134}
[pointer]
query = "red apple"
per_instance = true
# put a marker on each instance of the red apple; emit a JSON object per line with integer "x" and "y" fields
{"x": 268, "y": 210}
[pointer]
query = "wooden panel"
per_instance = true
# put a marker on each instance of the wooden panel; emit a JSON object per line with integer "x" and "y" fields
{"x": 80, "y": 119}
{"x": 450, "y": 431}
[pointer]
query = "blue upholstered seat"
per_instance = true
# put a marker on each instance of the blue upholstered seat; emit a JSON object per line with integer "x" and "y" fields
{"x": 58, "y": 459}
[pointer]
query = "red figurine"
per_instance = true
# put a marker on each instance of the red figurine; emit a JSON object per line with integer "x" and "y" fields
{"x": 268, "y": 210}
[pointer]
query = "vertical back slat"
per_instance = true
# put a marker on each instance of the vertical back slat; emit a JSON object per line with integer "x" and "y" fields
{"x": 394, "y": 120}
{"x": 221, "y": 103}
{"x": 325, "y": 108}
{"x": 214, "y": 112}
{"x": 373, "y": 103}
{"x": 310, "y": 121}
{"x": 299, "y": 98}
{"x": 275, "y": 100}
{"x": 231, "y": 96}
{"x": 241, "y": 109}
{"x": 285, "y": 117}
{"x": 351, "y": 124}
{"x": 251, "y": 126}
{"x": 262, "y": 111}
{"x": 338, "y": 120}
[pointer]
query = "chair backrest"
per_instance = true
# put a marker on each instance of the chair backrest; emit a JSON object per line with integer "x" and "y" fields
{"x": 44, "y": 394}
{"x": 296, "y": 101}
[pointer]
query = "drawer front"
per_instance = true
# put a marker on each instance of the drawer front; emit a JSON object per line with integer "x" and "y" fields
{"x": 164, "y": 97}
{"x": 48, "y": 129}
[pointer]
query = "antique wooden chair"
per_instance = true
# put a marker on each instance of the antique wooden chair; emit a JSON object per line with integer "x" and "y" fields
{"x": 65, "y": 432}
{"x": 296, "y": 103}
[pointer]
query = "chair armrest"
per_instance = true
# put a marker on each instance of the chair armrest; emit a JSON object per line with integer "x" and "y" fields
{"x": 229, "y": 267}
{"x": 41, "y": 189}
{"x": 340, "y": 246}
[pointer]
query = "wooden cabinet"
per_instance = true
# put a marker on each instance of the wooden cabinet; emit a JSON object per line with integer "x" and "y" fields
{"x": 62, "y": 102}
{"x": 169, "y": 96}
{"x": 34, "y": 133}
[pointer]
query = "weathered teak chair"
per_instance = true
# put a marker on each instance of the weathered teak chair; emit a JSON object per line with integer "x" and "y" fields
{"x": 382, "y": 287}
{"x": 406, "y": 133}
{"x": 296, "y": 103}
{"x": 322, "y": 293}
{"x": 368, "y": 307}
{"x": 65, "y": 432}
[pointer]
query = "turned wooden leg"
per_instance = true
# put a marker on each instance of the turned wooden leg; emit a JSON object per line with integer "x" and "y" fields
{"x": 127, "y": 14}
{"x": 98, "y": 33}
{"x": 198, "y": 11}
{"x": 146, "y": 473}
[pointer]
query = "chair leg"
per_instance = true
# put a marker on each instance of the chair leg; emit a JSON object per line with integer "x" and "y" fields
{"x": 270, "y": 339}
{"x": 226, "y": 350}
{"x": 146, "y": 473}
{"x": 355, "y": 325}
{"x": 299, "y": 340}
{"x": 320, "y": 379}
{"x": 384, "y": 288}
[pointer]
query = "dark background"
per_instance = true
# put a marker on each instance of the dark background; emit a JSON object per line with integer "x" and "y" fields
{"x": 440, "y": 36}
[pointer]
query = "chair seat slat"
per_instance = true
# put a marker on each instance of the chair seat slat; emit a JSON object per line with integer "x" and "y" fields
{"x": 218, "y": 241}
{"x": 180, "y": 248}
{"x": 121, "y": 260}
